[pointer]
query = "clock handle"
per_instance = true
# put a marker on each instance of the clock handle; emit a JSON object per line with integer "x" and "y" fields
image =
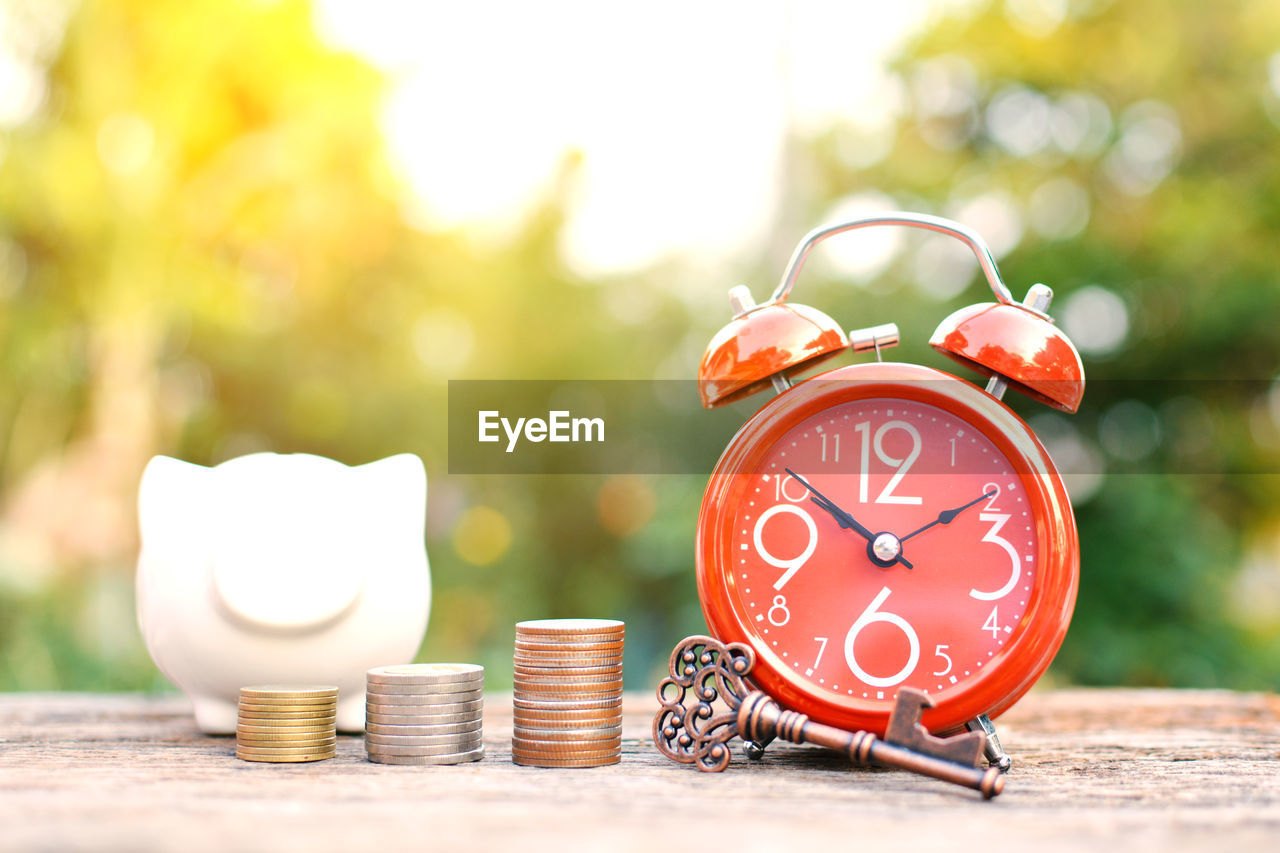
{"x": 949, "y": 227}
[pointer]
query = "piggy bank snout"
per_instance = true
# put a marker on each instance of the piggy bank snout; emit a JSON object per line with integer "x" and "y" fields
{"x": 270, "y": 585}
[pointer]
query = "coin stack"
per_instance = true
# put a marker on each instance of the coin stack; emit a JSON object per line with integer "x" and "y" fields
{"x": 284, "y": 723}
{"x": 424, "y": 713}
{"x": 568, "y": 693}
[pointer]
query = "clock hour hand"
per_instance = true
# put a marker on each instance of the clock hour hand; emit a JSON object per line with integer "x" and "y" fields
{"x": 848, "y": 522}
{"x": 949, "y": 515}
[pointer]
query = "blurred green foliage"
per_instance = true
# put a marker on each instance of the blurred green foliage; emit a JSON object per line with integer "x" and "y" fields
{"x": 205, "y": 254}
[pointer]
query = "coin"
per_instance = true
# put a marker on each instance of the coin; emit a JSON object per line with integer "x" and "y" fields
{"x": 606, "y": 644}
{"x": 283, "y": 760}
{"x": 388, "y": 688}
{"x": 528, "y": 739}
{"x": 402, "y": 698}
{"x": 539, "y": 644}
{"x": 584, "y": 657}
{"x": 284, "y": 731}
{"x": 540, "y": 754}
{"x": 290, "y": 724}
{"x": 562, "y": 721}
{"x": 287, "y": 691}
{"x": 246, "y": 740}
{"x": 560, "y": 661}
{"x": 418, "y": 710}
{"x": 568, "y": 735}
{"x": 422, "y": 719}
{"x": 425, "y": 673}
{"x": 263, "y": 753}
{"x": 324, "y": 717}
{"x": 328, "y": 707}
{"x": 312, "y": 743}
{"x": 425, "y": 729}
{"x": 304, "y": 702}
{"x": 460, "y": 758}
{"x": 287, "y": 735}
{"x": 559, "y": 627}
{"x": 534, "y": 761}
{"x": 418, "y": 734}
{"x": 263, "y": 720}
{"x": 566, "y": 703}
{"x": 568, "y": 678}
{"x": 525, "y": 669}
{"x": 458, "y": 742}
{"x": 568, "y": 692}
{"x": 444, "y": 749}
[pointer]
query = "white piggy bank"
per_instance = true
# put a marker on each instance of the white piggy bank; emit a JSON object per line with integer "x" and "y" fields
{"x": 274, "y": 568}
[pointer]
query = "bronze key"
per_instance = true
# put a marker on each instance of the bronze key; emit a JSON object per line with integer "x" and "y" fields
{"x": 695, "y": 734}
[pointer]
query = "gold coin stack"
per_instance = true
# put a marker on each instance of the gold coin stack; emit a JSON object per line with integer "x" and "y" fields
{"x": 285, "y": 723}
{"x": 568, "y": 693}
{"x": 424, "y": 713}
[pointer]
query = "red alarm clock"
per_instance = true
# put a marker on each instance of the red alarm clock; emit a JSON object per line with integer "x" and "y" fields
{"x": 889, "y": 525}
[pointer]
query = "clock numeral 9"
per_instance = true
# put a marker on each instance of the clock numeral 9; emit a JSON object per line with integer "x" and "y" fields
{"x": 874, "y": 614}
{"x": 901, "y": 466}
{"x": 791, "y": 565}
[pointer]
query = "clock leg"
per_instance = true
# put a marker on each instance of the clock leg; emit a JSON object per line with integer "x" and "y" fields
{"x": 994, "y": 752}
{"x": 754, "y": 749}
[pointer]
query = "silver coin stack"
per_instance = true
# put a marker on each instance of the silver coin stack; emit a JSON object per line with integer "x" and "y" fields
{"x": 424, "y": 713}
{"x": 568, "y": 693}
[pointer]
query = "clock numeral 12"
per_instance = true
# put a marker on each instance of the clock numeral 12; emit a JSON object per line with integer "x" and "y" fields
{"x": 900, "y": 466}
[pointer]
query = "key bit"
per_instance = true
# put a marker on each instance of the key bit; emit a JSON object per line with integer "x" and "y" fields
{"x": 706, "y": 673}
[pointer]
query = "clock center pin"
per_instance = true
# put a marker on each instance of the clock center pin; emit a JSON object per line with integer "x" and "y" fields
{"x": 885, "y": 549}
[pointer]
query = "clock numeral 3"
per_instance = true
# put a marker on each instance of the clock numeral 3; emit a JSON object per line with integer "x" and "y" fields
{"x": 998, "y": 520}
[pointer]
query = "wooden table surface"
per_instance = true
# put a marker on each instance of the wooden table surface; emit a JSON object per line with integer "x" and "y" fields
{"x": 1094, "y": 769}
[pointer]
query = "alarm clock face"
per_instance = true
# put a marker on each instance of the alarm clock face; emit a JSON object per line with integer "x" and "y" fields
{"x": 867, "y": 536}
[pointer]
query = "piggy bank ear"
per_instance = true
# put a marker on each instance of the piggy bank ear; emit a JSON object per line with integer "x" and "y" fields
{"x": 170, "y": 488}
{"x": 395, "y": 491}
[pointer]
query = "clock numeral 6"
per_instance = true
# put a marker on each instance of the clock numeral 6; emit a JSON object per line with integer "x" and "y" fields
{"x": 874, "y": 614}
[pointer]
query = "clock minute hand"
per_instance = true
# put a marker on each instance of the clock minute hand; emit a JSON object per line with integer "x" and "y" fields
{"x": 829, "y": 505}
{"x": 844, "y": 519}
{"x": 949, "y": 515}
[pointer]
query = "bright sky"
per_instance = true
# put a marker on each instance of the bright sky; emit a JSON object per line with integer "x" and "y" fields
{"x": 679, "y": 110}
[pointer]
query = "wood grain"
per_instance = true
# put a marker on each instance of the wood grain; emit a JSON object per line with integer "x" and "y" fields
{"x": 1101, "y": 769}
